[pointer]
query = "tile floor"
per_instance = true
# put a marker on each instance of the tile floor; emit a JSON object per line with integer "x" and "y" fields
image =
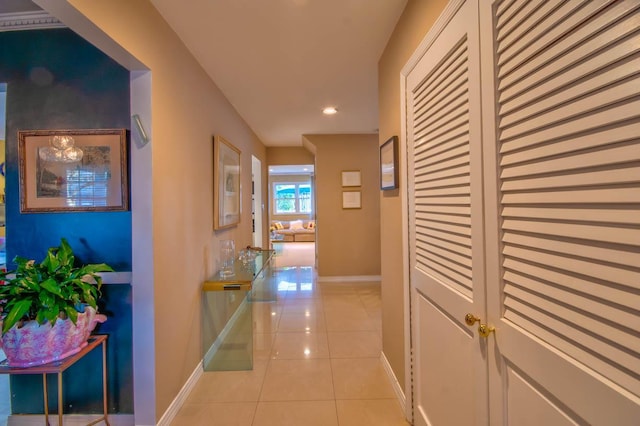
{"x": 316, "y": 362}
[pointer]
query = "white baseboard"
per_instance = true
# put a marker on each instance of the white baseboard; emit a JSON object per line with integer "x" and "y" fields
{"x": 394, "y": 382}
{"x": 350, "y": 278}
{"x": 69, "y": 419}
{"x": 179, "y": 400}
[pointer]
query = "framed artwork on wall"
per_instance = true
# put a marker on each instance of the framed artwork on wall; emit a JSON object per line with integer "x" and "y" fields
{"x": 351, "y": 200}
{"x": 73, "y": 170}
{"x": 226, "y": 184}
{"x": 389, "y": 164}
{"x": 351, "y": 178}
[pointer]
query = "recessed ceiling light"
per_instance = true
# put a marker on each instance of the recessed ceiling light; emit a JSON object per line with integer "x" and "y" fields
{"x": 329, "y": 111}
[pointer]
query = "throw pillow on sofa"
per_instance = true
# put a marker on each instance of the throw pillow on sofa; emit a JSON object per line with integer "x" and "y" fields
{"x": 311, "y": 225}
{"x": 296, "y": 225}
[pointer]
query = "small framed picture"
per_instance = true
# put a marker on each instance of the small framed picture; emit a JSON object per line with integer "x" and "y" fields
{"x": 351, "y": 178}
{"x": 351, "y": 200}
{"x": 389, "y": 164}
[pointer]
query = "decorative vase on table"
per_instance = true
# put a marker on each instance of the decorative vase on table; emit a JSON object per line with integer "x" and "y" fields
{"x": 35, "y": 344}
{"x": 48, "y": 309}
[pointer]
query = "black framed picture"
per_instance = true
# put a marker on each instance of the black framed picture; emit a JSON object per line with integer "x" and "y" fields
{"x": 389, "y": 164}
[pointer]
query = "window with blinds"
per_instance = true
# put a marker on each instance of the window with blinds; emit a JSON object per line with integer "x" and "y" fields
{"x": 569, "y": 143}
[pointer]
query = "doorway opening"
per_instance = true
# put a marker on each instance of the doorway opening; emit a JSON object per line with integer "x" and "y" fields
{"x": 256, "y": 201}
{"x": 292, "y": 212}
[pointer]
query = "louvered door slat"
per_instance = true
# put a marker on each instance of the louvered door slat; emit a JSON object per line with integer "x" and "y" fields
{"x": 572, "y": 264}
{"x": 522, "y": 92}
{"x": 454, "y": 114}
{"x": 453, "y": 137}
{"x": 435, "y": 84}
{"x": 446, "y": 235}
{"x": 569, "y": 228}
{"x": 620, "y": 336}
{"x": 441, "y": 172}
{"x": 558, "y": 41}
{"x": 581, "y": 125}
{"x": 605, "y": 291}
{"x": 603, "y": 357}
{"x": 432, "y": 189}
{"x": 440, "y": 145}
{"x": 447, "y": 91}
{"x": 587, "y": 214}
{"x": 597, "y": 138}
{"x": 574, "y": 180}
{"x": 450, "y": 164}
{"x": 453, "y": 228}
{"x": 547, "y": 115}
{"x": 568, "y": 93}
{"x": 591, "y": 253}
{"x": 452, "y": 210}
{"x": 583, "y": 301}
{"x": 505, "y": 12}
{"x": 452, "y": 172}
{"x": 434, "y": 217}
{"x": 452, "y": 254}
{"x": 439, "y": 158}
{"x": 535, "y": 24}
{"x": 599, "y": 83}
{"x": 449, "y": 181}
{"x": 451, "y": 94}
{"x": 577, "y": 196}
{"x": 612, "y": 156}
{"x": 452, "y": 128}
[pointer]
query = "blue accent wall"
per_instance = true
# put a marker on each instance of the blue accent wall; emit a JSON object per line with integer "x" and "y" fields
{"x": 57, "y": 80}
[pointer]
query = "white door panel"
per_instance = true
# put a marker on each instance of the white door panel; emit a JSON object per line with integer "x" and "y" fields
{"x": 445, "y": 205}
{"x": 562, "y": 133}
{"x": 524, "y": 210}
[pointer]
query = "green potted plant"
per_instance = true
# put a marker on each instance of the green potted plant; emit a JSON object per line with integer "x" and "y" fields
{"x": 48, "y": 309}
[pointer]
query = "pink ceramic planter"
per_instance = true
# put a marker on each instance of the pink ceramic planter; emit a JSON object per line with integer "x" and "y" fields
{"x": 35, "y": 344}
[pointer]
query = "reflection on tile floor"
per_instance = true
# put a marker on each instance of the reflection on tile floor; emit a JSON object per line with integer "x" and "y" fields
{"x": 316, "y": 362}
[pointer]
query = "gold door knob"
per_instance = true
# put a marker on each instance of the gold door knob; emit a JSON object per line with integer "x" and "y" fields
{"x": 485, "y": 330}
{"x": 471, "y": 319}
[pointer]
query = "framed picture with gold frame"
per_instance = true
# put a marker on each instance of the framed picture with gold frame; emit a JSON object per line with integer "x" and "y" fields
{"x": 351, "y": 200}
{"x": 351, "y": 178}
{"x": 226, "y": 184}
{"x": 73, "y": 170}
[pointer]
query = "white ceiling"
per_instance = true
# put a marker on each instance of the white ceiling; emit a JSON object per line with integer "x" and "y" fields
{"x": 279, "y": 62}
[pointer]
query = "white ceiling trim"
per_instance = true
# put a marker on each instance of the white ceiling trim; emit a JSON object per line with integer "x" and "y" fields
{"x": 28, "y": 21}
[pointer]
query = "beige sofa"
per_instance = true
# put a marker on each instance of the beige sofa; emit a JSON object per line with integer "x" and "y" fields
{"x": 293, "y": 231}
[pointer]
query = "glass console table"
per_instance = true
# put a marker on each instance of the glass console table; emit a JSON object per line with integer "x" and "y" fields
{"x": 227, "y": 328}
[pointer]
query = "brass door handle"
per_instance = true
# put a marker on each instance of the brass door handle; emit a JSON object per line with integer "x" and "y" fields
{"x": 485, "y": 330}
{"x": 471, "y": 319}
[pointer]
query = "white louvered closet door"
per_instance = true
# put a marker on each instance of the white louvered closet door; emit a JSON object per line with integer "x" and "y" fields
{"x": 563, "y": 210}
{"x": 445, "y": 209}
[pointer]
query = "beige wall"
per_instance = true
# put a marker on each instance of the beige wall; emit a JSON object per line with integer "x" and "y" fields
{"x": 348, "y": 240}
{"x": 413, "y": 25}
{"x": 187, "y": 109}
{"x": 279, "y": 156}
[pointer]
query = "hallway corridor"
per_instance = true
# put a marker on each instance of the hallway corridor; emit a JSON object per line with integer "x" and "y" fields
{"x": 316, "y": 362}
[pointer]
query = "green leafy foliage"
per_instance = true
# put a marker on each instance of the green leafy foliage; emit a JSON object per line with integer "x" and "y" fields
{"x": 50, "y": 289}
